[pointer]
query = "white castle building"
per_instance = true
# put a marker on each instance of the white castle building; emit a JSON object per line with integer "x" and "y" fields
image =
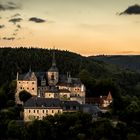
{"x": 51, "y": 84}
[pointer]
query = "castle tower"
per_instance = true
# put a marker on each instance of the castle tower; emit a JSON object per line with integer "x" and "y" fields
{"x": 53, "y": 73}
{"x": 27, "y": 82}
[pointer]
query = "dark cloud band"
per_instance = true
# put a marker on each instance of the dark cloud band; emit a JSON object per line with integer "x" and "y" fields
{"x": 134, "y": 9}
{"x": 37, "y": 20}
{"x": 15, "y": 20}
{"x": 2, "y": 26}
{"x": 8, "y": 38}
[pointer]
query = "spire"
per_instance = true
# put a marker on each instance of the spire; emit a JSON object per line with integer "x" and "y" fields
{"x": 53, "y": 67}
{"x": 30, "y": 70}
{"x": 17, "y": 76}
{"x": 53, "y": 59}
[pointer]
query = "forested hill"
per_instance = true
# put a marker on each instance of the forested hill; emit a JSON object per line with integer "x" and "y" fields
{"x": 98, "y": 76}
{"x": 13, "y": 60}
{"x": 131, "y": 62}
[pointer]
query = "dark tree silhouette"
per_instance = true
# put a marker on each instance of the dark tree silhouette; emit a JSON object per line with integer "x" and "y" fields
{"x": 24, "y": 96}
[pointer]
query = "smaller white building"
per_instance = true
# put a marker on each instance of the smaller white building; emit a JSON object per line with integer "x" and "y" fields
{"x": 38, "y": 108}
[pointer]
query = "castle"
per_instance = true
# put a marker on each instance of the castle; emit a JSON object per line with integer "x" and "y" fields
{"x": 53, "y": 93}
{"x": 51, "y": 84}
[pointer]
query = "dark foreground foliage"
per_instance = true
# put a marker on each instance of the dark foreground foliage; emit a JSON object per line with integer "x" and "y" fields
{"x": 70, "y": 126}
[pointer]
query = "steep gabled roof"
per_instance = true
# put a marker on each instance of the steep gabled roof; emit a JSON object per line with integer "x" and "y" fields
{"x": 109, "y": 97}
{"x": 38, "y": 102}
{"x": 42, "y": 102}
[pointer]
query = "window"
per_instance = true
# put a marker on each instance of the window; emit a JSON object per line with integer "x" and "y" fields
{"x": 19, "y": 82}
{"x": 34, "y": 111}
{"x": 27, "y": 88}
{"x": 46, "y": 111}
{"x": 52, "y": 76}
{"x": 43, "y": 111}
{"x": 37, "y": 111}
{"x": 20, "y": 87}
{"x": 29, "y": 111}
{"x": 32, "y": 82}
{"x": 32, "y": 88}
{"x": 52, "y": 111}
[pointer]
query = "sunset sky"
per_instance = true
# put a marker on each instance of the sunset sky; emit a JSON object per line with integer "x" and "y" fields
{"x": 87, "y": 27}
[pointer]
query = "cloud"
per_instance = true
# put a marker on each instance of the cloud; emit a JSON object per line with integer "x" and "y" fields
{"x": 15, "y": 20}
{"x": 14, "y": 34}
{"x": 134, "y": 9}
{"x": 37, "y": 20}
{"x": 2, "y": 26}
{"x": 16, "y": 15}
{"x": 19, "y": 26}
{"x": 127, "y": 52}
{"x": 8, "y": 38}
{"x": 8, "y": 6}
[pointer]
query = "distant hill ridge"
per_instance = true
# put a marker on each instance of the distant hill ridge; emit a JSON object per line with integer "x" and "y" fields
{"x": 131, "y": 62}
